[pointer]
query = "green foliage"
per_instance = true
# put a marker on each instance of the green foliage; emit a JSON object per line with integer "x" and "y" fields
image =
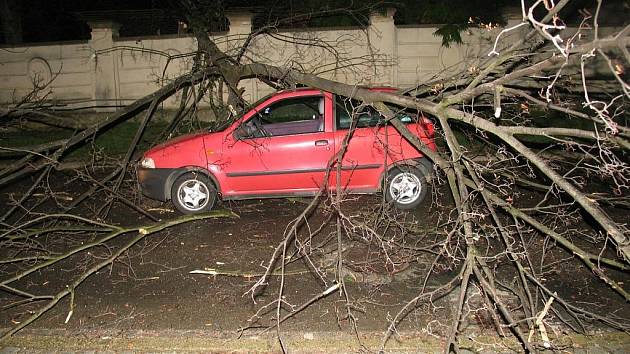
{"x": 454, "y": 16}
{"x": 451, "y": 33}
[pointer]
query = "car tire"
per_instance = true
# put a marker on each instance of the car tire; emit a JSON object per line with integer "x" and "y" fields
{"x": 193, "y": 193}
{"x": 407, "y": 186}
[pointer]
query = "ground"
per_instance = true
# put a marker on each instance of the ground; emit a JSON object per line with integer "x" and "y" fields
{"x": 150, "y": 292}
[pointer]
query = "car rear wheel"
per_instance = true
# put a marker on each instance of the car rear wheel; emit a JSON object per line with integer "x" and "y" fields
{"x": 193, "y": 193}
{"x": 406, "y": 186}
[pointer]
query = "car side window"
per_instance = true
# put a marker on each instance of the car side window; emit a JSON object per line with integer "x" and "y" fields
{"x": 346, "y": 107}
{"x": 300, "y": 115}
{"x": 367, "y": 116}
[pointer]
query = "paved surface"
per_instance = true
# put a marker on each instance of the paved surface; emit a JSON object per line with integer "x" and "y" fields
{"x": 301, "y": 342}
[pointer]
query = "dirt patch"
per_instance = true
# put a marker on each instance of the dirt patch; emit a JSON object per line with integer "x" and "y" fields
{"x": 151, "y": 289}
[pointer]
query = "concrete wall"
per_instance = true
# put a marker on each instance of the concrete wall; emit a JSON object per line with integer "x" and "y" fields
{"x": 112, "y": 71}
{"x": 23, "y": 68}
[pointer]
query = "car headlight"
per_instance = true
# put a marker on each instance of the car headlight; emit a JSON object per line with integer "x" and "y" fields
{"x": 147, "y": 162}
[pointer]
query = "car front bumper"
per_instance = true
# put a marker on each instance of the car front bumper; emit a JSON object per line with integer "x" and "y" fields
{"x": 155, "y": 183}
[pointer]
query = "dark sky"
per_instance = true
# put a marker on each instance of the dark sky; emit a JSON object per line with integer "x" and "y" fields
{"x": 62, "y": 20}
{"x": 59, "y": 20}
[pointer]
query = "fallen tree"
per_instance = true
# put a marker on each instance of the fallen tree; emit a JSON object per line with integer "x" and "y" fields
{"x": 477, "y": 199}
{"x": 580, "y": 174}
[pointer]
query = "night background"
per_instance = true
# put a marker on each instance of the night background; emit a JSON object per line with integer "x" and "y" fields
{"x": 66, "y": 20}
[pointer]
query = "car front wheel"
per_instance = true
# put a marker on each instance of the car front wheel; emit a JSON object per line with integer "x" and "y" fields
{"x": 193, "y": 193}
{"x": 406, "y": 186}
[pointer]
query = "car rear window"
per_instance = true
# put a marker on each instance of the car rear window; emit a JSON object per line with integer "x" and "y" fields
{"x": 367, "y": 116}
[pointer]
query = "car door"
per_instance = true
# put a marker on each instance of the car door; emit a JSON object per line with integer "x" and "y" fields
{"x": 364, "y": 160}
{"x": 283, "y": 148}
{"x": 374, "y": 144}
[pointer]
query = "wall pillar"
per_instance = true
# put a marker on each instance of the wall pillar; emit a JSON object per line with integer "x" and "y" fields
{"x": 105, "y": 90}
{"x": 240, "y": 28}
{"x": 382, "y": 32}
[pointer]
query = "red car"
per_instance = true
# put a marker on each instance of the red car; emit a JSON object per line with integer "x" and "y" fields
{"x": 282, "y": 147}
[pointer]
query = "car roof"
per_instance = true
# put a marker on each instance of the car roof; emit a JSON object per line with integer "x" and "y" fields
{"x": 371, "y": 88}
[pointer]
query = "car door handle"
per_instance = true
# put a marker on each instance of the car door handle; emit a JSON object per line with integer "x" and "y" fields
{"x": 321, "y": 142}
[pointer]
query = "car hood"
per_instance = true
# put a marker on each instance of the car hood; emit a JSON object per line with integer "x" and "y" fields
{"x": 175, "y": 141}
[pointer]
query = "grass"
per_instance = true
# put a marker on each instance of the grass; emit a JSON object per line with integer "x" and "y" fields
{"x": 113, "y": 142}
